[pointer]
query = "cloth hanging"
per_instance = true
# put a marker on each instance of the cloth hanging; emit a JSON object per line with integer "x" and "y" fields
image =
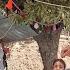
{"x": 9, "y": 5}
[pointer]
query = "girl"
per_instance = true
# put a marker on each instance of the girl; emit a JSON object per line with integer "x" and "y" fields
{"x": 59, "y": 64}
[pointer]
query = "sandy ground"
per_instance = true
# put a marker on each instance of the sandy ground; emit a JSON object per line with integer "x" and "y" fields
{"x": 25, "y": 56}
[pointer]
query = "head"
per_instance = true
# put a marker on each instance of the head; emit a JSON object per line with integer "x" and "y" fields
{"x": 59, "y": 64}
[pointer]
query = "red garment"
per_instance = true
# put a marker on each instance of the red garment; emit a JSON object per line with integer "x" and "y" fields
{"x": 9, "y": 5}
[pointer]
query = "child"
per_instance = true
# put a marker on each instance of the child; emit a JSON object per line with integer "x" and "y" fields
{"x": 59, "y": 64}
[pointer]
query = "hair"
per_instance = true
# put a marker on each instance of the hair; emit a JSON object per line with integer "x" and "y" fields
{"x": 60, "y": 60}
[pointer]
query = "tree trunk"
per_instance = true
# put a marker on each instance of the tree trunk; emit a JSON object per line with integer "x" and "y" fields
{"x": 48, "y": 47}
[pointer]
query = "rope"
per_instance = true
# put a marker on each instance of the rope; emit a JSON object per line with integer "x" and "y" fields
{"x": 52, "y": 4}
{"x": 17, "y": 7}
{"x": 5, "y": 34}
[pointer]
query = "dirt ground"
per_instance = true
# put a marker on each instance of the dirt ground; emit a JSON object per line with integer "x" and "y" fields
{"x": 25, "y": 56}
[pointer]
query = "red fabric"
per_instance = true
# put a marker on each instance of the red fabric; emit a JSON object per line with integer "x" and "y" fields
{"x": 9, "y": 5}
